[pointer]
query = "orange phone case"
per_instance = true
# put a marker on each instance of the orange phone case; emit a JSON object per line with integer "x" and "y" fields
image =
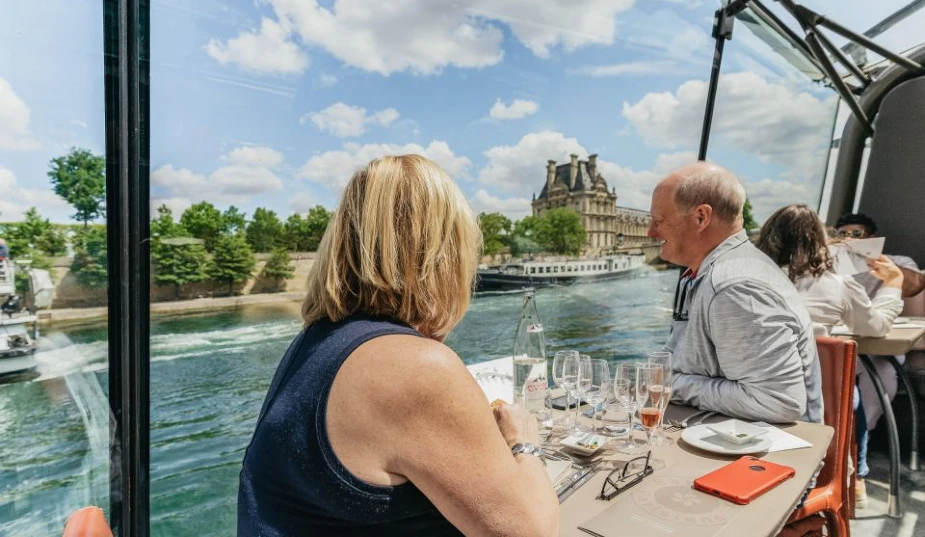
{"x": 743, "y": 480}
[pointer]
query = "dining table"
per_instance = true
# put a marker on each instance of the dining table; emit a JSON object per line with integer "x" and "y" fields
{"x": 665, "y": 502}
{"x": 903, "y": 337}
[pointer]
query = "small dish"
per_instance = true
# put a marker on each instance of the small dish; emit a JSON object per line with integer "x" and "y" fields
{"x": 589, "y": 443}
{"x": 736, "y": 431}
{"x": 700, "y": 436}
{"x": 901, "y": 320}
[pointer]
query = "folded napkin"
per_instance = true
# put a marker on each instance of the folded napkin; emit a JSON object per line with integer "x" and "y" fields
{"x": 781, "y": 440}
{"x": 557, "y": 471}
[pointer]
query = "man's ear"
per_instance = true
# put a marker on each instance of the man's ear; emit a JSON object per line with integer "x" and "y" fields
{"x": 703, "y": 215}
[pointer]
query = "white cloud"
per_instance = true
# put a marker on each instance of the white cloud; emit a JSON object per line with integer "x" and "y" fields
{"x": 422, "y": 36}
{"x": 665, "y": 34}
{"x": 519, "y": 108}
{"x": 176, "y": 205}
{"x": 255, "y": 156}
{"x": 343, "y": 120}
{"x": 14, "y": 120}
{"x": 249, "y": 173}
{"x": 333, "y": 169}
{"x": 768, "y": 195}
{"x": 772, "y": 121}
{"x": 522, "y": 167}
{"x": 16, "y": 200}
{"x": 268, "y": 50}
{"x": 661, "y": 67}
{"x": 327, "y": 80}
{"x": 302, "y": 203}
{"x": 78, "y": 123}
{"x": 514, "y": 208}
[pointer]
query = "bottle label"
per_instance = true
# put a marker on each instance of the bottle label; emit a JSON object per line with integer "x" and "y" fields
{"x": 534, "y": 392}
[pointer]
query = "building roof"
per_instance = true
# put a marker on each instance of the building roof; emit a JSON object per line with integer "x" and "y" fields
{"x": 562, "y": 178}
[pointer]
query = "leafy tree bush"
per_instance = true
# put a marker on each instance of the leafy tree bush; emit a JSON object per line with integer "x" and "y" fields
{"x": 203, "y": 221}
{"x": 79, "y": 177}
{"x": 232, "y": 260}
{"x": 90, "y": 257}
{"x": 265, "y": 232}
{"x": 495, "y": 229}
{"x": 278, "y": 267}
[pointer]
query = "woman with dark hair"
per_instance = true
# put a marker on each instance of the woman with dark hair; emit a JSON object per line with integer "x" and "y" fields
{"x": 795, "y": 239}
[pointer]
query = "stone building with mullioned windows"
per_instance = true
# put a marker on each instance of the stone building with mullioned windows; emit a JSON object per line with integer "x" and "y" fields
{"x": 579, "y": 186}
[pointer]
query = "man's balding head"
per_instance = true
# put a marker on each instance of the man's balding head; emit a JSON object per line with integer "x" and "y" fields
{"x": 694, "y": 209}
{"x": 704, "y": 183}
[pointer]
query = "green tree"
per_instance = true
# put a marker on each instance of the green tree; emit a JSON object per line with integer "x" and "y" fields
{"x": 316, "y": 223}
{"x": 278, "y": 267}
{"x": 748, "y": 220}
{"x": 179, "y": 264}
{"x": 495, "y": 229}
{"x": 295, "y": 233}
{"x": 34, "y": 232}
{"x": 90, "y": 257}
{"x": 233, "y": 220}
{"x": 203, "y": 221}
{"x": 165, "y": 226}
{"x": 232, "y": 260}
{"x": 560, "y": 231}
{"x": 79, "y": 177}
{"x": 265, "y": 232}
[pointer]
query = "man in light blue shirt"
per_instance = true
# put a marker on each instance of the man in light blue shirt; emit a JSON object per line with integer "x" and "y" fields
{"x": 741, "y": 339}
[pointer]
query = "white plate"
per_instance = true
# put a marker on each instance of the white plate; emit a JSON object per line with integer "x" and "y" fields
{"x": 572, "y": 443}
{"x": 700, "y": 436}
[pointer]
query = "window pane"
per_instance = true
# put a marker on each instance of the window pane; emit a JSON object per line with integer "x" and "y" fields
{"x": 552, "y": 124}
{"x": 54, "y": 418}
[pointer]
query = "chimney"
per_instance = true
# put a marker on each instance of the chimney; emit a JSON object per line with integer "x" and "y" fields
{"x": 573, "y": 172}
{"x": 550, "y": 174}
{"x": 592, "y": 166}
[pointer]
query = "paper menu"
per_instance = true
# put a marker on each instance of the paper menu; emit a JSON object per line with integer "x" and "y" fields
{"x": 496, "y": 378}
{"x": 851, "y": 256}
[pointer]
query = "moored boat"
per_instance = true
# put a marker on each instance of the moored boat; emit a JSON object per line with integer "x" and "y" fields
{"x": 553, "y": 272}
{"x": 18, "y": 322}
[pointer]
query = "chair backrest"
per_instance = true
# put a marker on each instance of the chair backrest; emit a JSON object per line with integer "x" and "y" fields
{"x": 837, "y": 358}
{"x": 87, "y": 522}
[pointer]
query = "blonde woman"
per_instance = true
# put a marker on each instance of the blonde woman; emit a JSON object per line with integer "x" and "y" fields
{"x": 372, "y": 426}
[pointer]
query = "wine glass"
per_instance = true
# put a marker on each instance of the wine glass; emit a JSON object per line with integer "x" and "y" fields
{"x": 598, "y": 386}
{"x": 625, "y": 395}
{"x": 662, "y": 358}
{"x": 565, "y": 370}
{"x": 582, "y": 387}
{"x": 651, "y": 396}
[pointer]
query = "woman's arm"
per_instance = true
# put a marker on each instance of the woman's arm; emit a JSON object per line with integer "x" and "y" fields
{"x": 429, "y": 421}
{"x": 866, "y": 317}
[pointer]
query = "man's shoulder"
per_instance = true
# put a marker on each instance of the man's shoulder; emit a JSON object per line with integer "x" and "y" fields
{"x": 748, "y": 266}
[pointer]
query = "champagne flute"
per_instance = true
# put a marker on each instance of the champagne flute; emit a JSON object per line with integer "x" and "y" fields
{"x": 565, "y": 374}
{"x": 582, "y": 388}
{"x": 651, "y": 397}
{"x": 625, "y": 394}
{"x": 662, "y": 358}
{"x": 598, "y": 386}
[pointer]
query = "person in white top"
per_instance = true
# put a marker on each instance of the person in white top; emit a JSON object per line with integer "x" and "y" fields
{"x": 795, "y": 239}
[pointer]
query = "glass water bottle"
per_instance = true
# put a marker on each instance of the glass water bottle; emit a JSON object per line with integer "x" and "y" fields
{"x": 530, "y": 385}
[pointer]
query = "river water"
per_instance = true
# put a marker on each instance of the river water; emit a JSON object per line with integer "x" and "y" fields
{"x": 209, "y": 375}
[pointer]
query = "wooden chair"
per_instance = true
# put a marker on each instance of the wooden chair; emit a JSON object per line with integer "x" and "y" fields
{"x": 830, "y": 498}
{"x": 87, "y": 522}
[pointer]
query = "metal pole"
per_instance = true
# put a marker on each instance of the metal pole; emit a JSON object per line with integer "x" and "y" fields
{"x": 836, "y": 80}
{"x": 722, "y": 30}
{"x": 126, "y": 33}
{"x": 842, "y": 59}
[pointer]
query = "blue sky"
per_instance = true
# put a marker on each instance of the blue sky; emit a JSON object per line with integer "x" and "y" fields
{"x": 275, "y": 103}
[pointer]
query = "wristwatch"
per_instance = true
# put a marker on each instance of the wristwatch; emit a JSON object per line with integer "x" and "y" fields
{"x": 526, "y": 448}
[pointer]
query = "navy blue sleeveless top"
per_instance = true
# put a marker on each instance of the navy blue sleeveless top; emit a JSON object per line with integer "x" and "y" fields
{"x": 292, "y": 483}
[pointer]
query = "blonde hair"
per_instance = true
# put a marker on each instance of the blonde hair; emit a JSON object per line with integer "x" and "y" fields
{"x": 403, "y": 244}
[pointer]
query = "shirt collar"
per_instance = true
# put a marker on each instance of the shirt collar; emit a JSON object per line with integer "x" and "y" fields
{"x": 732, "y": 242}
